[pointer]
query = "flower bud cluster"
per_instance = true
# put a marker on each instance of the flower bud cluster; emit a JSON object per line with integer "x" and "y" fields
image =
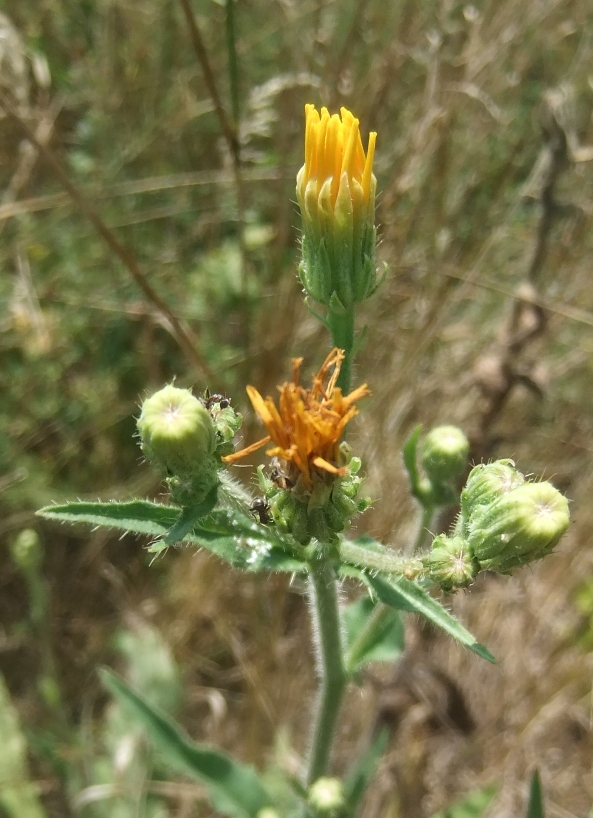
{"x": 505, "y": 522}
{"x": 319, "y": 514}
{"x": 185, "y": 438}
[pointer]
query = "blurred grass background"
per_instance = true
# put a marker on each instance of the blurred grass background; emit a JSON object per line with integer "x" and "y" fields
{"x": 466, "y": 100}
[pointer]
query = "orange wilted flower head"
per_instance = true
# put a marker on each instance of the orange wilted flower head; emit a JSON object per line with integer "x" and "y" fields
{"x": 336, "y": 195}
{"x": 308, "y": 424}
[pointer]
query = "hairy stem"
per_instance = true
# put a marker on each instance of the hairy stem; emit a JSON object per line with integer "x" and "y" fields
{"x": 376, "y": 559}
{"x": 328, "y": 634}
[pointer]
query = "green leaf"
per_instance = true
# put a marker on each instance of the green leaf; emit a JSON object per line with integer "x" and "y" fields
{"x": 230, "y": 535}
{"x": 235, "y": 789}
{"x": 535, "y": 808}
{"x": 405, "y": 595}
{"x": 360, "y": 776}
{"x": 374, "y": 633}
{"x": 472, "y": 805}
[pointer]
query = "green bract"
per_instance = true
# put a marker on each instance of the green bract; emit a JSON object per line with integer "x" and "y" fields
{"x": 485, "y": 484}
{"x": 521, "y": 526}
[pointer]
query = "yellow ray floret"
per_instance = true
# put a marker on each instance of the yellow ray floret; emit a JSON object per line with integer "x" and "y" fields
{"x": 308, "y": 424}
{"x": 333, "y": 147}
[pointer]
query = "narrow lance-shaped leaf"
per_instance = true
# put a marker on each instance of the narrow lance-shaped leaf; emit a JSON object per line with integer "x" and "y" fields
{"x": 230, "y": 535}
{"x": 235, "y": 789}
{"x": 408, "y": 596}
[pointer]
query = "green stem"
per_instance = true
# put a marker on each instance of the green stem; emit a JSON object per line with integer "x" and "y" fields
{"x": 376, "y": 559}
{"x": 424, "y": 535}
{"x": 328, "y": 634}
{"x": 341, "y": 326}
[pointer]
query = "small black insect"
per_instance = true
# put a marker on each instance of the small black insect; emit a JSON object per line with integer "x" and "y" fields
{"x": 261, "y": 508}
{"x": 210, "y": 400}
{"x": 279, "y": 477}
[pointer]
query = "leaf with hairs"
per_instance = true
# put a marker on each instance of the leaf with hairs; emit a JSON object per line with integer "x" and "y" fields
{"x": 406, "y": 595}
{"x": 230, "y": 535}
{"x": 235, "y": 789}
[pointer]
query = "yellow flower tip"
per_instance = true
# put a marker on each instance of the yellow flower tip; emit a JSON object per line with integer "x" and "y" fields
{"x": 333, "y": 147}
{"x": 307, "y": 425}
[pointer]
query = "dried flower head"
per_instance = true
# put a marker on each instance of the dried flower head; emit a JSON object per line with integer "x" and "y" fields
{"x": 308, "y": 424}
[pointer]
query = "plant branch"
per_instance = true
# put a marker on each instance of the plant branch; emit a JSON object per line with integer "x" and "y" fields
{"x": 376, "y": 559}
{"x": 170, "y": 320}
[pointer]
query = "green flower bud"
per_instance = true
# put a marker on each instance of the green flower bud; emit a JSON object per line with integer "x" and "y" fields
{"x": 485, "y": 484}
{"x": 450, "y": 563}
{"x": 27, "y": 552}
{"x": 521, "y": 526}
{"x": 336, "y": 196}
{"x": 176, "y": 431}
{"x": 444, "y": 453}
{"x": 326, "y": 796}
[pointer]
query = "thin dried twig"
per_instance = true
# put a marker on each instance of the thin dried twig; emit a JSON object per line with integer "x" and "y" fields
{"x": 182, "y": 334}
{"x": 231, "y": 135}
{"x": 229, "y": 132}
{"x": 498, "y": 373}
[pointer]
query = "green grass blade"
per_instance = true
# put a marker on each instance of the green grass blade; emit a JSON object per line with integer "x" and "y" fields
{"x": 235, "y": 789}
{"x": 407, "y": 596}
{"x": 535, "y": 808}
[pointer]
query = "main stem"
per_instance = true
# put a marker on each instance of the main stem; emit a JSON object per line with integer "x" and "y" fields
{"x": 328, "y": 635}
{"x": 341, "y": 326}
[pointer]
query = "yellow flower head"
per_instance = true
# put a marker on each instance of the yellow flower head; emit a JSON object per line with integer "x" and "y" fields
{"x": 335, "y": 158}
{"x": 308, "y": 424}
{"x": 336, "y": 194}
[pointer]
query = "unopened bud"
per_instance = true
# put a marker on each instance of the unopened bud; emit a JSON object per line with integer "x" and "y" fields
{"x": 326, "y": 796}
{"x": 485, "y": 484}
{"x": 450, "y": 563}
{"x": 523, "y": 525}
{"x": 444, "y": 453}
{"x": 176, "y": 431}
{"x": 27, "y": 552}
{"x": 336, "y": 196}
